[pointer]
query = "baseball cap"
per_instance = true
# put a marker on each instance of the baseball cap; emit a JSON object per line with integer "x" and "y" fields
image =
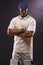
{"x": 23, "y": 5}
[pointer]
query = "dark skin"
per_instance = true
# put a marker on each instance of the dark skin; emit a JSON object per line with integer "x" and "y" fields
{"x": 19, "y": 32}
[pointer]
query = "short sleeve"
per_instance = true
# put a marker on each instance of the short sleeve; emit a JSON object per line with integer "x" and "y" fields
{"x": 32, "y": 26}
{"x": 11, "y": 25}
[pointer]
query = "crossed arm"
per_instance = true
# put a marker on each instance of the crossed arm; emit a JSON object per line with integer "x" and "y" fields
{"x": 19, "y": 32}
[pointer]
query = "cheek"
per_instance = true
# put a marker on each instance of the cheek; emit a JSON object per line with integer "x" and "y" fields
{"x": 21, "y": 13}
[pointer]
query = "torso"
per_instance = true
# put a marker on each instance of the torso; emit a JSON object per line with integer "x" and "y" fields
{"x": 23, "y": 45}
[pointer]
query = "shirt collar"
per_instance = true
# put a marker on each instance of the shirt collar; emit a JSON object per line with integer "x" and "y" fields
{"x": 24, "y": 17}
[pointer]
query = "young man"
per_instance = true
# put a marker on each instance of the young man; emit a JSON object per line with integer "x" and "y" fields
{"x": 23, "y": 28}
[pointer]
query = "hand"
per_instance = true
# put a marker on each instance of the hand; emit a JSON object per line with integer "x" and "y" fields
{"x": 23, "y": 30}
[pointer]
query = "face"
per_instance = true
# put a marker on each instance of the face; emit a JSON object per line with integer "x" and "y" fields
{"x": 23, "y": 12}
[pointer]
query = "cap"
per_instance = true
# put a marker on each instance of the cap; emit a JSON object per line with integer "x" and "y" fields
{"x": 23, "y": 5}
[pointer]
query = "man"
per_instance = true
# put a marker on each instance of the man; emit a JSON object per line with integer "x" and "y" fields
{"x": 23, "y": 28}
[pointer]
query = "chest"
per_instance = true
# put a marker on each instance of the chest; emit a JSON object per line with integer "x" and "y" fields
{"x": 22, "y": 23}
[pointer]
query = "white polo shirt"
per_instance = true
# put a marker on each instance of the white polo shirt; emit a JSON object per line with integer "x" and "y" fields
{"x": 23, "y": 45}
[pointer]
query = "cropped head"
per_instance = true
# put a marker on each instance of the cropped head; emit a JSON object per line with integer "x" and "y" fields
{"x": 23, "y": 8}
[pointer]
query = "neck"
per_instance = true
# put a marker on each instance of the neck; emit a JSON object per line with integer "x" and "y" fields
{"x": 23, "y": 16}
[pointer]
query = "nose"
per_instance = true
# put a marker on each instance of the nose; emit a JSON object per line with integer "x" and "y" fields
{"x": 23, "y": 11}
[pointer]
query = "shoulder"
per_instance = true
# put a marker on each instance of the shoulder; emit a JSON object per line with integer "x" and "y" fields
{"x": 15, "y": 18}
{"x": 33, "y": 19}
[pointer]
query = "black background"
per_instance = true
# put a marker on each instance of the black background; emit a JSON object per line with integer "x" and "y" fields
{"x": 8, "y": 10}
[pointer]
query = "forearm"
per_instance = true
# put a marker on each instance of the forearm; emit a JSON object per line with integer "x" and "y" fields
{"x": 14, "y": 31}
{"x": 26, "y": 34}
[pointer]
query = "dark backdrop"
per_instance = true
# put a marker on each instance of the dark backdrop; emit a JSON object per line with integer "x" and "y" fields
{"x": 8, "y": 9}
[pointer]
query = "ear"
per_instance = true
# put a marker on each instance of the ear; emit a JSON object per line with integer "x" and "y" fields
{"x": 20, "y": 9}
{"x": 27, "y": 10}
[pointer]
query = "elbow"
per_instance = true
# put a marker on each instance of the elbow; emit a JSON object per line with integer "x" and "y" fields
{"x": 8, "y": 32}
